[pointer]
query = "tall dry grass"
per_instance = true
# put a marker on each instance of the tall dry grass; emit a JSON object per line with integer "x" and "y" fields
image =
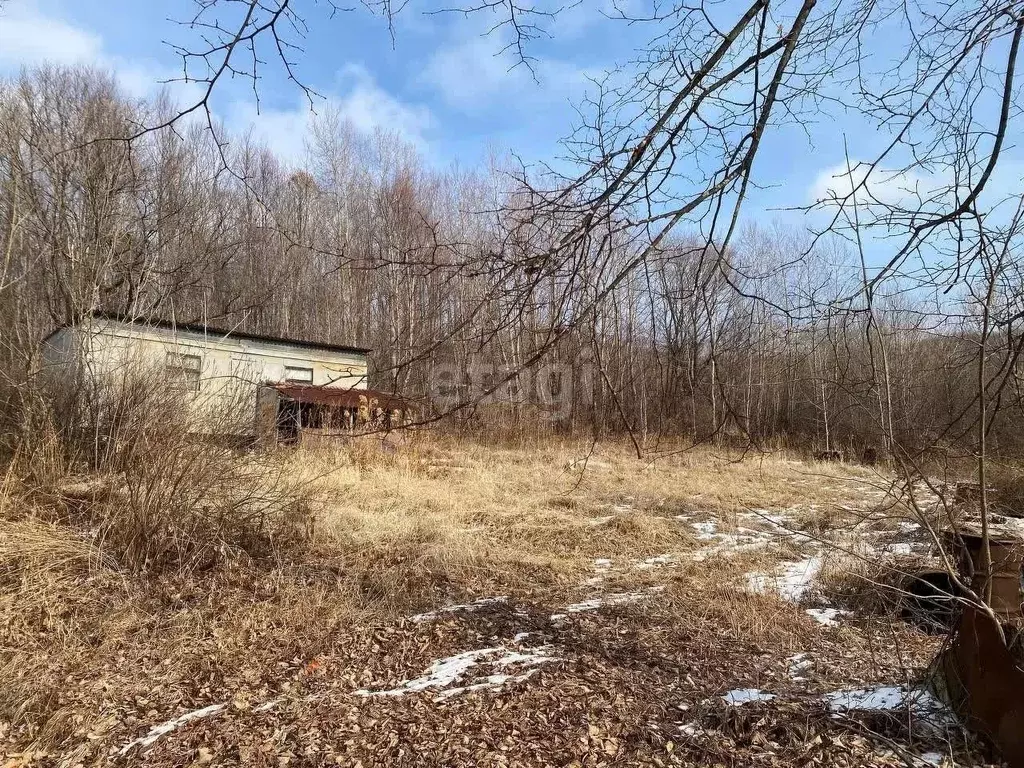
{"x": 436, "y": 517}
{"x": 134, "y": 551}
{"x": 114, "y": 505}
{"x": 149, "y": 476}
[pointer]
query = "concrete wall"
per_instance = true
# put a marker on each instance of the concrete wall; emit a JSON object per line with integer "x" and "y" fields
{"x": 231, "y": 370}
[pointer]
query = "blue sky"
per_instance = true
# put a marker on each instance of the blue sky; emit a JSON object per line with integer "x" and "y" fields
{"x": 441, "y": 83}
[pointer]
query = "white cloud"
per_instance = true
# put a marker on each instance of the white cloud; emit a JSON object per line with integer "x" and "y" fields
{"x": 370, "y": 107}
{"x": 915, "y": 190}
{"x": 884, "y": 186}
{"x": 475, "y": 73}
{"x": 28, "y": 37}
{"x": 284, "y": 131}
{"x": 358, "y": 98}
{"x": 471, "y": 72}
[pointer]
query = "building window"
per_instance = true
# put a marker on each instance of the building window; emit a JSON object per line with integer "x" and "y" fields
{"x": 183, "y": 371}
{"x": 298, "y": 375}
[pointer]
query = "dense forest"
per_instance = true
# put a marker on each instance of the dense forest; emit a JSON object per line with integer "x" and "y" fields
{"x": 441, "y": 272}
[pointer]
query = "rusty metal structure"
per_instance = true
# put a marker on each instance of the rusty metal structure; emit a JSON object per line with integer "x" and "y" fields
{"x": 986, "y": 684}
{"x": 297, "y": 413}
{"x": 1007, "y": 556}
{"x": 983, "y": 667}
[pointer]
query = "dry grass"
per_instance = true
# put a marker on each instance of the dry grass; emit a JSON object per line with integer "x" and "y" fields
{"x": 545, "y": 507}
{"x": 396, "y": 531}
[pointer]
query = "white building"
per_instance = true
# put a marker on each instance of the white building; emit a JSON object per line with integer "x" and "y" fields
{"x": 301, "y": 384}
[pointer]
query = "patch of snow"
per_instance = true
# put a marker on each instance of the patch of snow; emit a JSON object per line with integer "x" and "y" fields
{"x": 657, "y": 561}
{"x": 164, "y": 728}
{"x": 774, "y": 519}
{"x": 792, "y": 580}
{"x": 476, "y": 605}
{"x": 886, "y": 698}
{"x": 538, "y": 656}
{"x": 706, "y": 530}
{"x": 440, "y": 674}
{"x": 899, "y": 548}
{"x": 826, "y": 616}
{"x": 444, "y": 673}
{"x": 741, "y": 696}
{"x": 883, "y": 699}
{"x": 798, "y": 664}
{"x": 726, "y": 544}
{"x": 782, "y": 525}
{"x": 730, "y": 545}
{"x": 485, "y": 683}
{"x": 619, "y": 598}
{"x": 691, "y": 729}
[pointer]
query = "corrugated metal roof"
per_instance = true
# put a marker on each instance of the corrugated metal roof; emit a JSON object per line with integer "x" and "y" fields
{"x": 341, "y": 397}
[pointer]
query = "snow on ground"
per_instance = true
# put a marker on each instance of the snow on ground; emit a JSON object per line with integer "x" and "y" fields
{"x": 657, "y": 561}
{"x": 882, "y": 698}
{"x": 826, "y": 616}
{"x": 780, "y": 523}
{"x": 731, "y": 544}
{"x": 798, "y": 664}
{"x": 779, "y": 527}
{"x": 164, "y": 728}
{"x": 476, "y": 605}
{"x": 885, "y": 698}
{"x": 691, "y": 729}
{"x": 744, "y": 540}
{"x": 595, "y": 603}
{"x": 494, "y": 667}
{"x": 706, "y": 530}
{"x": 741, "y": 696}
{"x": 444, "y": 673}
{"x": 792, "y": 580}
{"x": 901, "y": 548}
{"x": 505, "y": 666}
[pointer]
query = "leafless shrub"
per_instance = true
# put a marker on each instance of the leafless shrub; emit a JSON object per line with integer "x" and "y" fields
{"x": 1008, "y": 484}
{"x": 152, "y": 476}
